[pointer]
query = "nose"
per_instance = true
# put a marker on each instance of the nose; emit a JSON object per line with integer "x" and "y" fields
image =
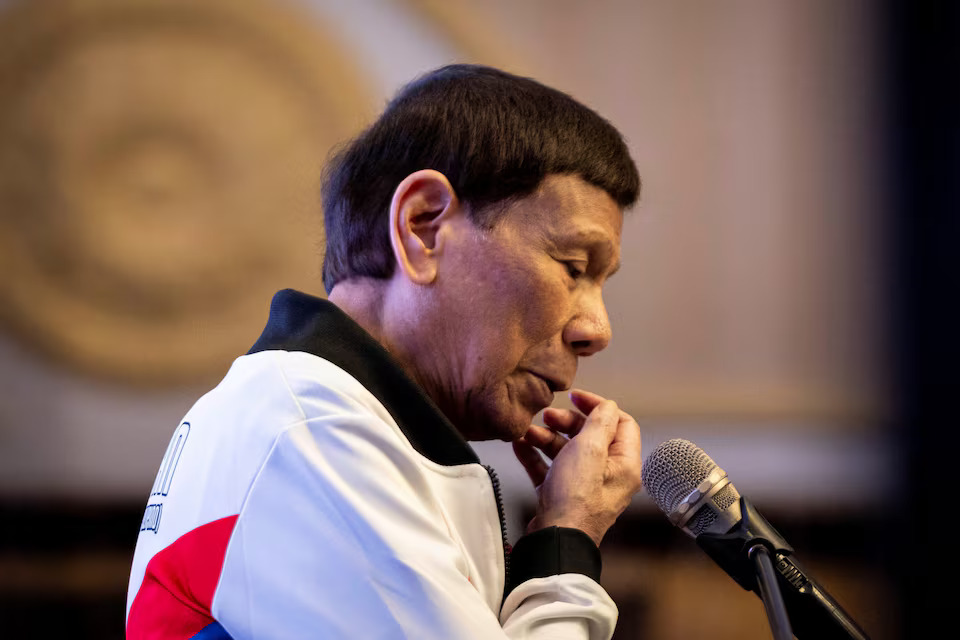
{"x": 588, "y": 330}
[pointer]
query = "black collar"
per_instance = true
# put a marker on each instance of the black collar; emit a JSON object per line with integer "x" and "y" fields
{"x": 301, "y": 322}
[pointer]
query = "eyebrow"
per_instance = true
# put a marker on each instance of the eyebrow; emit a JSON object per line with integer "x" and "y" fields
{"x": 597, "y": 240}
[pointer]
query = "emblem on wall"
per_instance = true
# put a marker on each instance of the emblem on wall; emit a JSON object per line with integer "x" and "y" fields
{"x": 159, "y": 176}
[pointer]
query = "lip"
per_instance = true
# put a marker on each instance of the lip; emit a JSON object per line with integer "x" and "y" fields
{"x": 553, "y": 384}
{"x": 543, "y": 390}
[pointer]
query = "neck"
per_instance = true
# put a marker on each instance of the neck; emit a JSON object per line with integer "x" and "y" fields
{"x": 362, "y": 299}
{"x": 381, "y": 308}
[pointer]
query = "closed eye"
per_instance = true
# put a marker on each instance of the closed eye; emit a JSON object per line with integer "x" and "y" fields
{"x": 574, "y": 269}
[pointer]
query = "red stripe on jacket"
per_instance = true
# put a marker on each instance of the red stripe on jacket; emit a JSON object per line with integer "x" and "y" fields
{"x": 175, "y": 597}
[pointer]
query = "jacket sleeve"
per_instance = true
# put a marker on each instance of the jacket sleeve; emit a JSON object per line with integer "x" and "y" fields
{"x": 338, "y": 537}
{"x": 554, "y": 589}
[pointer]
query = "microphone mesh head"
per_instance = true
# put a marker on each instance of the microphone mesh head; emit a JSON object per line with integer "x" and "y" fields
{"x": 673, "y": 470}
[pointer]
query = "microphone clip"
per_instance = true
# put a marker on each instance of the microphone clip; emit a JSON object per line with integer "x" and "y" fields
{"x": 731, "y": 550}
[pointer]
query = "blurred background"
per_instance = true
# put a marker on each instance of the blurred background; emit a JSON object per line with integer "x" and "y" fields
{"x": 784, "y": 302}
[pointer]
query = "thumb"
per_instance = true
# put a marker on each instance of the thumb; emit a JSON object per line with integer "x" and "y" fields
{"x": 601, "y": 424}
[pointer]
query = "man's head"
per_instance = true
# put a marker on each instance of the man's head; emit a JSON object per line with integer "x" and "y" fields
{"x": 485, "y": 210}
{"x": 495, "y": 136}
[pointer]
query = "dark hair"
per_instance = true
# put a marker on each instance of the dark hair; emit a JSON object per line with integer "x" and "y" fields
{"x": 494, "y": 135}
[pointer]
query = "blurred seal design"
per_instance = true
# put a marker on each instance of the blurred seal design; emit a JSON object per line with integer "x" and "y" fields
{"x": 159, "y": 176}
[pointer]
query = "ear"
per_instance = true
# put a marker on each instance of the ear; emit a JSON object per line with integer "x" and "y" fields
{"x": 422, "y": 203}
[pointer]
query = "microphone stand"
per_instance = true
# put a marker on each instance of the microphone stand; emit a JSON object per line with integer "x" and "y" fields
{"x": 770, "y": 593}
{"x": 755, "y": 555}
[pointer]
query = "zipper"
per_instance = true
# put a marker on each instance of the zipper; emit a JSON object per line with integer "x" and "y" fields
{"x": 503, "y": 525}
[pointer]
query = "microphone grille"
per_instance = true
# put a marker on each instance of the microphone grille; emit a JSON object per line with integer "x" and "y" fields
{"x": 673, "y": 470}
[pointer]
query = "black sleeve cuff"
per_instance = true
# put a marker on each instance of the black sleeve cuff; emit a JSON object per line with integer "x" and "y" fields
{"x": 550, "y": 552}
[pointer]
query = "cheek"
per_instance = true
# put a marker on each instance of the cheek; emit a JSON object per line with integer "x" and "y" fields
{"x": 543, "y": 306}
{"x": 524, "y": 303}
{"x": 518, "y": 319}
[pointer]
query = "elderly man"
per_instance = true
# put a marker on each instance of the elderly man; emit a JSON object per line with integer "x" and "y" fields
{"x": 325, "y": 488}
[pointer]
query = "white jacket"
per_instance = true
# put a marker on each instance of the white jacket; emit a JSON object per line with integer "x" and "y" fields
{"x": 317, "y": 492}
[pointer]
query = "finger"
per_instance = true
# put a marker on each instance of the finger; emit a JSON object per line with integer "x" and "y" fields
{"x": 546, "y": 440}
{"x": 627, "y": 439}
{"x": 566, "y": 421}
{"x": 601, "y": 423}
{"x": 534, "y": 465}
{"x": 585, "y": 401}
{"x": 628, "y": 431}
{"x": 624, "y": 455}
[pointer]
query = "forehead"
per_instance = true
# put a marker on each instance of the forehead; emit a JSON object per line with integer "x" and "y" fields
{"x": 566, "y": 208}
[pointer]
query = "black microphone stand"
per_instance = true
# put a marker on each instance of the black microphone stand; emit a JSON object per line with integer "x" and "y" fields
{"x": 760, "y": 560}
{"x": 770, "y": 593}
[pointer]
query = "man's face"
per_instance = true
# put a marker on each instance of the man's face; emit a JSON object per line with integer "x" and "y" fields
{"x": 519, "y": 304}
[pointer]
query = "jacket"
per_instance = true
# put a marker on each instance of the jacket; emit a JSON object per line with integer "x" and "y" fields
{"x": 318, "y": 492}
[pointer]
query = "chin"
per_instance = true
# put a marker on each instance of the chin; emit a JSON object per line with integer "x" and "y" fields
{"x": 513, "y": 426}
{"x": 495, "y": 423}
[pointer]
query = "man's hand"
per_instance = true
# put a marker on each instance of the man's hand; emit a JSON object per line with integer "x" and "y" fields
{"x": 596, "y": 464}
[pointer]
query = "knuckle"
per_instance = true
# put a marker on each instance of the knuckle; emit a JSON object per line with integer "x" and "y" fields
{"x": 594, "y": 448}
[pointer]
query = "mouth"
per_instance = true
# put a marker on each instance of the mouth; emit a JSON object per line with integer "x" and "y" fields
{"x": 553, "y": 384}
{"x": 539, "y": 394}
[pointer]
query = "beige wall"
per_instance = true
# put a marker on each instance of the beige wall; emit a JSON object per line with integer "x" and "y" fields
{"x": 749, "y": 308}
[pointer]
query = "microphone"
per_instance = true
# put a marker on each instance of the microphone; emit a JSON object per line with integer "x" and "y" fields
{"x": 697, "y": 496}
